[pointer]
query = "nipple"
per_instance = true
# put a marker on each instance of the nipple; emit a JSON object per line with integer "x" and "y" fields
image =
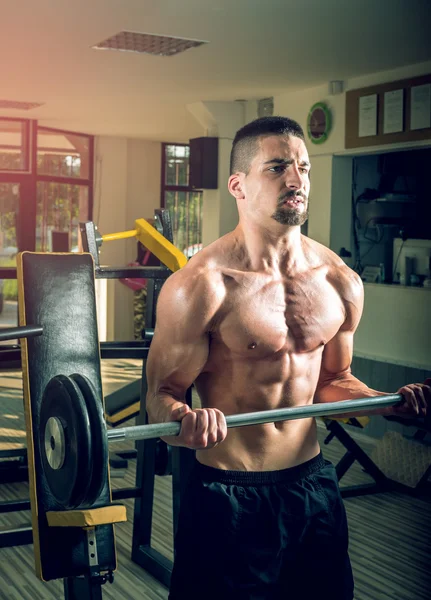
{"x": 252, "y": 346}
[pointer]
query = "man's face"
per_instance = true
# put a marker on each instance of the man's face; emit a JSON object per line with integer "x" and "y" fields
{"x": 278, "y": 182}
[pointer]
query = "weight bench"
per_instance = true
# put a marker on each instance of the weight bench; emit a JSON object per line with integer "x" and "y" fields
{"x": 57, "y": 292}
{"x": 354, "y": 452}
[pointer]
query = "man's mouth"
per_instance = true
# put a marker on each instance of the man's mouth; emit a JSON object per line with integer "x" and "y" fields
{"x": 293, "y": 201}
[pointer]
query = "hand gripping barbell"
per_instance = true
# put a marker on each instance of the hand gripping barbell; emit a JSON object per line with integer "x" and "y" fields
{"x": 73, "y": 439}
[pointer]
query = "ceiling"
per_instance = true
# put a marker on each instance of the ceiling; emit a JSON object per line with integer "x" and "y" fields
{"x": 255, "y": 49}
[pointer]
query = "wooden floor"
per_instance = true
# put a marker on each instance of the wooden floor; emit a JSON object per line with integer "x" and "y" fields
{"x": 390, "y": 533}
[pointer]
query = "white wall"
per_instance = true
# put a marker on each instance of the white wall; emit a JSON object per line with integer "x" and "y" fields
{"x": 144, "y": 165}
{"x": 395, "y": 325}
{"x": 127, "y": 187}
{"x": 109, "y": 214}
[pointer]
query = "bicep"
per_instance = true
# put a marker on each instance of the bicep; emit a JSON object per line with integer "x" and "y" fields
{"x": 180, "y": 346}
{"x": 338, "y": 352}
{"x": 175, "y": 359}
{"x": 337, "y": 355}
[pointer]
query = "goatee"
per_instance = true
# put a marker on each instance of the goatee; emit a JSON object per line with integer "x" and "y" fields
{"x": 290, "y": 216}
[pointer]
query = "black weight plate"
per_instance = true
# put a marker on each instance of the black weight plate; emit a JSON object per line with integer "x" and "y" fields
{"x": 163, "y": 458}
{"x": 63, "y": 399}
{"x": 99, "y": 438}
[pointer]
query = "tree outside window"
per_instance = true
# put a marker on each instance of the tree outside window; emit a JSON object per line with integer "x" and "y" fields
{"x": 183, "y": 202}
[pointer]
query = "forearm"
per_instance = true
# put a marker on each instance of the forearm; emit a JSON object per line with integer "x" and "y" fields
{"x": 161, "y": 405}
{"x": 347, "y": 387}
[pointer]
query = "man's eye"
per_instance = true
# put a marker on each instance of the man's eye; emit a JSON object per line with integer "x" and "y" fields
{"x": 277, "y": 169}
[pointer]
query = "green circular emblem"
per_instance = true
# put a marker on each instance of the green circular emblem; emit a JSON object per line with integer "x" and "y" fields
{"x": 319, "y": 123}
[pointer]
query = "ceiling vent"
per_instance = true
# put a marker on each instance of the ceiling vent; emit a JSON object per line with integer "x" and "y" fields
{"x": 146, "y": 43}
{"x": 14, "y": 104}
{"x": 265, "y": 107}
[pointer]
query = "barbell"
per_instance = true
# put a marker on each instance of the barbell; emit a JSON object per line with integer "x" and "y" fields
{"x": 73, "y": 439}
{"x": 156, "y": 430}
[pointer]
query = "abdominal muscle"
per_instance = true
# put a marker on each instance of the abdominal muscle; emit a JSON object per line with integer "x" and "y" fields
{"x": 257, "y": 386}
{"x": 268, "y": 447}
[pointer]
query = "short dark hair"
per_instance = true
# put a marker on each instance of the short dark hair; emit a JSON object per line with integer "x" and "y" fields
{"x": 244, "y": 145}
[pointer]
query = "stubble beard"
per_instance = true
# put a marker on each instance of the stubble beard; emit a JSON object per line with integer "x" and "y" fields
{"x": 290, "y": 216}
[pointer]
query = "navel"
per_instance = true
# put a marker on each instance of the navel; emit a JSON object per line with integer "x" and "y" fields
{"x": 252, "y": 346}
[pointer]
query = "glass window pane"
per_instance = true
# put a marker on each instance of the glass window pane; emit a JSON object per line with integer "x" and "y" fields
{"x": 177, "y": 165}
{"x": 9, "y": 203}
{"x": 60, "y": 208}
{"x": 13, "y": 145}
{"x": 186, "y": 215}
{"x": 9, "y": 199}
{"x": 62, "y": 154}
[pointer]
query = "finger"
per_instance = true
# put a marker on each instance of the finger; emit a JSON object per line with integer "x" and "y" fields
{"x": 427, "y": 394}
{"x": 212, "y": 428}
{"x": 201, "y": 421}
{"x": 221, "y": 426}
{"x": 201, "y": 432}
{"x": 422, "y": 403}
{"x": 403, "y": 405}
{"x": 420, "y": 399}
{"x": 188, "y": 428}
{"x": 411, "y": 402}
{"x": 426, "y": 388}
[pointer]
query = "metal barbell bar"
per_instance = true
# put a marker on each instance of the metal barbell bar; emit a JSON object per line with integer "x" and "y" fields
{"x": 25, "y": 331}
{"x": 328, "y": 409}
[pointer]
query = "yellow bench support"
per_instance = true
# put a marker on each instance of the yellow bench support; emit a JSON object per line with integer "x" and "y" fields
{"x": 156, "y": 243}
{"x": 122, "y": 235}
{"x": 89, "y": 517}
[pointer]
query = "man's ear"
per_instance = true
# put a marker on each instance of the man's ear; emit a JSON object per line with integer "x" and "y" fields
{"x": 235, "y": 186}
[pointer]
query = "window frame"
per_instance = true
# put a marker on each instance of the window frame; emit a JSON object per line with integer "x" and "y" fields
{"x": 28, "y": 139}
{"x": 167, "y": 187}
{"x": 174, "y": 188}
{"x": 27, "y": 207}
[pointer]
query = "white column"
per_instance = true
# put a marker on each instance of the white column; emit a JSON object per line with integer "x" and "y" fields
{"x": 109, "y": 214}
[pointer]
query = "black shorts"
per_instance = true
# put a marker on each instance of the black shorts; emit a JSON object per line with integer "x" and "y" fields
{"x": 263, "y": 535}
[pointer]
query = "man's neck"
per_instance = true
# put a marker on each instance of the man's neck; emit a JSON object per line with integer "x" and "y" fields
{"x": 278, "y": 249}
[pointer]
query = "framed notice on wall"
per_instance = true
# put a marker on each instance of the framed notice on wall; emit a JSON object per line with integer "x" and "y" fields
{"x": 367, "y": 115}
{"x": 389, "y": 113}
{"x": 393, "y": 111}
{"x": 420, "y": 108}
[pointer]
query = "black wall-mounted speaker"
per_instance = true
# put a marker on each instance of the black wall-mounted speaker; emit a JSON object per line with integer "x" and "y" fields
{"x": 204, "y": 163}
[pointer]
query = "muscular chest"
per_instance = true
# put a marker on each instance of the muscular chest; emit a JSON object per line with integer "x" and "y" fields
{"x": 296, "y": 315}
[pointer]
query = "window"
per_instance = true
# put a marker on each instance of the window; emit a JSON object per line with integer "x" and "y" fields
{"x": 14, "y": 145}
{"x": 62, "y": 154}
{"x": 183, "y": 202}
{"x": 42, "y": 200}
{"x": 60, "y": 208}
{"x": 64, "y": 188}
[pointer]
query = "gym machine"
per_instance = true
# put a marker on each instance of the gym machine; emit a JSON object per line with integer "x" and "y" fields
{"x": 159, "y": 239}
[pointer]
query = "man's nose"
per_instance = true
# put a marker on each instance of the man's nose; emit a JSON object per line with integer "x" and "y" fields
{"x": 293, "y": 178}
